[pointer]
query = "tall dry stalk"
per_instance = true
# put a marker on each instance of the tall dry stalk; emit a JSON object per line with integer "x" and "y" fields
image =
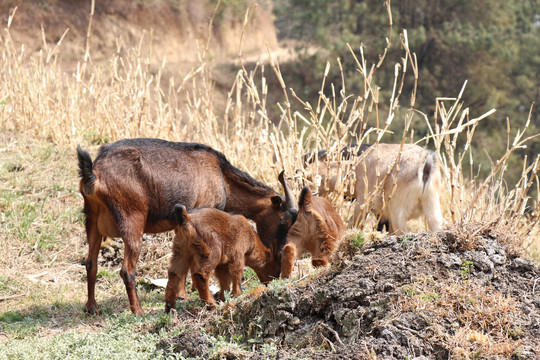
{"x": 126, "y": 97}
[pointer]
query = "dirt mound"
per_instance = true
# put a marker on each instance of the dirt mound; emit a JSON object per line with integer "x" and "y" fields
{"x": 398, "y": 297}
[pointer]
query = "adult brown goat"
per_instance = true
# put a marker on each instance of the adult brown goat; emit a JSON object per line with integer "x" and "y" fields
{"x": 209, "y": 240}
{"x": 133, "y": 184}
{"x": 317, "y": 230}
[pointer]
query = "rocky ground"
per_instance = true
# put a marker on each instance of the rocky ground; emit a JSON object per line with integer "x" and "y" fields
{"x": 420, "y": 297}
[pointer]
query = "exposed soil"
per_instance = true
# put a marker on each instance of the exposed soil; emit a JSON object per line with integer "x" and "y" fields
{"x": 175, "y": 31}
{"x": 398, "y": 297}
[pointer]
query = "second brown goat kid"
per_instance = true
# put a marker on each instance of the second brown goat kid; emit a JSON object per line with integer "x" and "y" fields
{"x": 317, "y": 230}
{"x": 209, "y": 240}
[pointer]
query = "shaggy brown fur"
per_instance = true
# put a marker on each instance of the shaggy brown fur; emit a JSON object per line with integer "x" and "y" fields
{"x": 209, "y": 240}
{"x": 317, "y": 230}
{"x": 133, "y": 185}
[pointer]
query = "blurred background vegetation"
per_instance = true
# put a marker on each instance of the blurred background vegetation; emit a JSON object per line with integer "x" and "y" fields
{"x": 495, "y": 45}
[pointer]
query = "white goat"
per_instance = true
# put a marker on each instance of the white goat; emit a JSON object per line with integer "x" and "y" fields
{"x": 395, "y": 185}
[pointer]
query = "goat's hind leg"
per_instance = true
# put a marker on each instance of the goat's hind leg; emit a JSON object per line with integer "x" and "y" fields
{"x": 132, "y": 249}
{"x": 224, "y": 278}
{"x": 94, "y": 239}
{"x": 397, "y": 222}
{"x": 431, "y": 207}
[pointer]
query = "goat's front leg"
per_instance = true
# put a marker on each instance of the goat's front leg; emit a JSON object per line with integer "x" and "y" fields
{"x": 224, "y": 278}
{"x": 324, "y": 251}
{"x": 287, "y": 260}
{"x": 358, "y": 216}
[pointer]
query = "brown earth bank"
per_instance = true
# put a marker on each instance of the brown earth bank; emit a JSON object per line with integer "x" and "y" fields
{"x": 178, "y": 29}
{"x": 407, "y": 297}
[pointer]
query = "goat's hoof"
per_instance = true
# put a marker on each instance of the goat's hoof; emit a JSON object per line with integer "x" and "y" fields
{"x": 92, "y": 310}
{"x": 138, "y": 312}
{"x": 319, "y": 262}
{"x": 168, "y": 307}
{"x": 218, "y": 298}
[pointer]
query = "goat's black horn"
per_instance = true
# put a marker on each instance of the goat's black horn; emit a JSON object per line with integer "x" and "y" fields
{"x": 290, "y": 201}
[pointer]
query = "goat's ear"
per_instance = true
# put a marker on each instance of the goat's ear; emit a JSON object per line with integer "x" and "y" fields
{"x": 277, "y": 201}
{"x": 305, "y": 197}
{"x": 181, "y": 213}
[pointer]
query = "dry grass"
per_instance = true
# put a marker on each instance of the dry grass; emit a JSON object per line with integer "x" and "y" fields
{"x": 45, "y": 112}
{"x": 483, "y": 319}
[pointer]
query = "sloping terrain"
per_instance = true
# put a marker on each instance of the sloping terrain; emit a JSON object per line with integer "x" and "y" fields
{"x": 398, "y": 297}
{"x": 178, "y": 30}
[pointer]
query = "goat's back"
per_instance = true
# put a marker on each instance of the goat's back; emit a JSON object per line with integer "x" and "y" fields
{"x": 400, "y": 190}
{"x": 155, "y": 175}
{"x": 230, "y": 234}
{"x": 379, "y": 167}
{"x": 379, "y": 163}
{"x": 397, "y": 190}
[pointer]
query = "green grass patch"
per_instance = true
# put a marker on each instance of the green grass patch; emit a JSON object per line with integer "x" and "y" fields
{"x": 466, "y": 268}
{"x": 122, "y": 338}
{"x": 107, "y": 274}
{"x": 36, "y": 222}
{"x": 20, "y": 325}
{"x": 358, "y": 240}
{"x": 8, "y": 286}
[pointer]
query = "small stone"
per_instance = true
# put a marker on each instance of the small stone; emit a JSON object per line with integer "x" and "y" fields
{"x": 481, "y": 261}
{"x": 388, "y": 335}
{"x": 523, "y": 264}
{"x": 294, "y": 321}
{"x": 498, "y": 259}
{"x": 450, "y": 260}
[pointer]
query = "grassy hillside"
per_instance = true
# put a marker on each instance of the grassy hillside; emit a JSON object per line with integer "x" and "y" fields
{"x": 45, "y": 110}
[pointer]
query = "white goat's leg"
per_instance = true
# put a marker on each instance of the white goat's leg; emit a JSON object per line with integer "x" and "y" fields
{"x": 398, "y": 222}
{"x": 432, "y": 210}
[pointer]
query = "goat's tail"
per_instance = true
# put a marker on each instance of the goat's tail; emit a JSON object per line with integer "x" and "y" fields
{"x": 85, "y": 170}
{"x": 430, "y": 165}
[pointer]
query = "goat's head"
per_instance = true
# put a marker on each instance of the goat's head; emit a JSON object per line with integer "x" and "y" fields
{"x": 275, "y": 221}
{"x": 310, "y": 223}
{"x": 272, "y": 267}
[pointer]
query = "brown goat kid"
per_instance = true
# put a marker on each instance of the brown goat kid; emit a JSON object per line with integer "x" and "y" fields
{"x": 209, "y": 240}
{"x": 132, "y": 186}
{"x": 317, "y": 230}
